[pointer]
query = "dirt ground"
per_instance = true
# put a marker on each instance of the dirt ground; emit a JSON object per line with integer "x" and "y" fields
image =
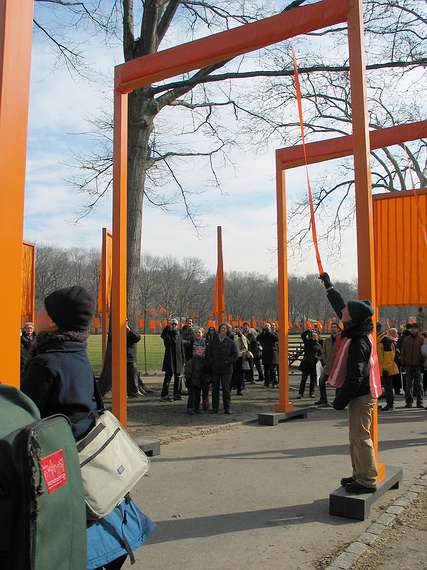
{"x": 168, "y": 421}
{"x": 403, "y": 546}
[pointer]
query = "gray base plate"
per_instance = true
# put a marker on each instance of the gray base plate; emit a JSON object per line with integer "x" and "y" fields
{"x": 273, "y": 418}
{"x": 342, "y": 504}
{"x": 150, "y": 447}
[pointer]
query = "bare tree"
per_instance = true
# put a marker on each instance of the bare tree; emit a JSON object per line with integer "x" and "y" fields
{"x": 151, "y": 159}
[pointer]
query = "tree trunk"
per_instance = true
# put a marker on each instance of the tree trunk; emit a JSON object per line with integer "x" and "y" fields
{"x": 141, "y": 119}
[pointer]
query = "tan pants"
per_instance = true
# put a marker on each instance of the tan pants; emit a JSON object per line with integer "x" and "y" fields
{"x": 361, "y": 446}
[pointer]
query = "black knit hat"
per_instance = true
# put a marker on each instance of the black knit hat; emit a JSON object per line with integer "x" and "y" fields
{"x": 360, "y": 310}
{"x": 71, "y": 308}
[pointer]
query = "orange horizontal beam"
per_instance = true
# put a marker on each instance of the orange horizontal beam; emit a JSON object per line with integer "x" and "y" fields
{"x": 219, "y": 47}
{"x": 338, "y": 147}
{"x": 399, "y": 195}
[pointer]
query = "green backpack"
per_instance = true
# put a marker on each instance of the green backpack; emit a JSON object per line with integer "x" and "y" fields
{"x": 42, "y": 509}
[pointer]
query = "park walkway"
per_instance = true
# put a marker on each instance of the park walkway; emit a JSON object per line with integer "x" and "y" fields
{"x": 257, "y": 497}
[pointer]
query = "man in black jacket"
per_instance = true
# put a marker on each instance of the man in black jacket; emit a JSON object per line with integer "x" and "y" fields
{"x": 221, "y": 355}
{"x": 173, "y": 360}
{"x": 356, "y": 391}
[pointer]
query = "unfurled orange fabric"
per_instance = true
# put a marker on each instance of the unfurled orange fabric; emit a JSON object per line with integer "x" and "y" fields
{"x": 28, "y": 281}
{"x": 400, "y": 248}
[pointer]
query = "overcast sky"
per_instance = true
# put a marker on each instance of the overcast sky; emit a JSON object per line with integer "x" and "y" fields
{"x": 246, "y": 208}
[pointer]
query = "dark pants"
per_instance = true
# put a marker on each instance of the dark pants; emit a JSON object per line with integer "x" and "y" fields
{"x": 131, "y": 378}
{"x": 313, "y": 378}
{"x": 425, "y": 381}
{"x": 176, "y": 384}
{"x": 205, "y": 396}
{"x": 322, "y": 388}
{"x": 257, "y": 364}
{"x": 397, "y": 383}
{"x": 115, "y": 564}
{"x": 223, "y": 380}
{"x": 413, "y": 386}
{"x": 387, "y": 382}
{"x": 238, "y": 376}
{"x": 270, "y": 374}
{"x": 194, "y": 393}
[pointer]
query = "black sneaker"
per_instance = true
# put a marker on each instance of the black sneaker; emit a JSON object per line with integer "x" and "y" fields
{"x": 178, "y": 397}
{"x": 420, "y": 406}
{"x": 346, "y": 481}
{"x": 356, "y": 488}
{"x": 165, "y": 399}
{"x": 228, "y": 412}
{"x": 407, "y": 406}
{"x": 387, "y": 408}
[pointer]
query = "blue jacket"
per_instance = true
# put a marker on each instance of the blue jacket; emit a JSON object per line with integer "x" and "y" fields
{"x": 111, "y": 537}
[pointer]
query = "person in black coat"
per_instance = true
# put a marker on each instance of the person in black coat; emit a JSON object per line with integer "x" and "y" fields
{"x": 255, "y": 349}
{"x": 60, "y": 380}
{"x": 308, "y": 366}
{"x": 355, "y": 392}
{"x": 58, "y": 376}
{"x": 188, "y": 336}
{"x": 221, "y": 355}
{"x": 132, "y": 339}
{"x": 27, "y": 340}
{"x": 173, "y": 360}
{"x": 269, "y": 342}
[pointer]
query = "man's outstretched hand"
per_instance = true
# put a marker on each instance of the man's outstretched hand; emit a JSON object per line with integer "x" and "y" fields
{"x": 326, "y": 280}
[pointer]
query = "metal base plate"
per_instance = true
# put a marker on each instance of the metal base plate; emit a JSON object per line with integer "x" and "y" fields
{"x": 273, "y": 418}
{"x": 342, "y": 504}
{"x": 150, "y": 447}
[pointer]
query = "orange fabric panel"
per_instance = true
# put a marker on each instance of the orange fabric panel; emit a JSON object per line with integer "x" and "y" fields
{"x": 141, "y": 324}
{"x": 109, "y": 259}
{"x": 28, "y": 282}
{"x": 400, "y": 249}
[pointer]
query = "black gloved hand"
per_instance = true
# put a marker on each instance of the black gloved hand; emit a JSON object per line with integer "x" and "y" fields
{"x": 326, "y": 280}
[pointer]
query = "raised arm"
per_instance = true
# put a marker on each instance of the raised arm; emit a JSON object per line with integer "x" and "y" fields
{"x": 334, "y": 296}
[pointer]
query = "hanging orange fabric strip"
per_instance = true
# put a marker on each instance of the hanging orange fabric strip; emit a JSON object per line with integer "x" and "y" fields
{"x": 310, "y": 194}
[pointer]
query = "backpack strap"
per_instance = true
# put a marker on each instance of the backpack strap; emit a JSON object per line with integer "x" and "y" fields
{"x": 98, "y": 398}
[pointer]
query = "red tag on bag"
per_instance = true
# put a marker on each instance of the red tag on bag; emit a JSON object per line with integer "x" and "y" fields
{"x": 53, "y": 470}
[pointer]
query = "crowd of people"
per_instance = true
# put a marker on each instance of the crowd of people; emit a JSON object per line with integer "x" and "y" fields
{"x": 217, "y": 361}
{"x": 402, "y": 359}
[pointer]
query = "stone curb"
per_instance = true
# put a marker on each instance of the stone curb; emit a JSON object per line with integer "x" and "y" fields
{"x": 354, "y": 551}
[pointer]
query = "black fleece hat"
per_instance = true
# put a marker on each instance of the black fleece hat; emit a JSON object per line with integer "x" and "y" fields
{"x": 71, "y": 308}
{"x": 360, "y": 310}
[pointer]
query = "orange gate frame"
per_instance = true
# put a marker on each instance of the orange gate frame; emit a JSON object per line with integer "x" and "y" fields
{"x": 199, "y": 54}
{"x": 288, "y": 158}
{"x": 15, "y": 56}
{"x": 28, "y": 282}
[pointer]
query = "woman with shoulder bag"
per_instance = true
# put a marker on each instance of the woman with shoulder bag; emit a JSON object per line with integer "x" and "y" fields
{"x": 59, "y": 379}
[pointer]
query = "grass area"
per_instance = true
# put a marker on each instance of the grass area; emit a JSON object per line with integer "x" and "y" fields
{"x": 154, "y": 350}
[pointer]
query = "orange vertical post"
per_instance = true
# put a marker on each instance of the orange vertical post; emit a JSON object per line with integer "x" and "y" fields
{"x": 284, "y": 404}
{"x": 28, "y": 282}
{"x": 16, "y": 17}
{"x": 118, "y": 300}
{"x": 219, "y": 289}
{"x": 104, "y": 292}
{"x": 362, "y": 174}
